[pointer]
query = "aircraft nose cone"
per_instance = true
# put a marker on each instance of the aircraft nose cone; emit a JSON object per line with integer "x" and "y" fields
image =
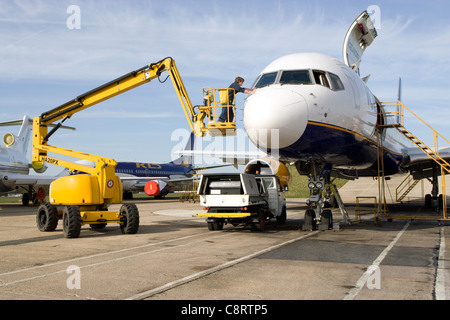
{"x": 275, "y": 118}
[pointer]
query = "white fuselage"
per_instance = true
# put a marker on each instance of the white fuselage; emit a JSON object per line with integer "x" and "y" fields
{"x": 309, "y": 106}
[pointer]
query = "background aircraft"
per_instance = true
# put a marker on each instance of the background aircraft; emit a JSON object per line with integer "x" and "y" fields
{"x": 155, "y": 179}
{"x": 14, "y": 166}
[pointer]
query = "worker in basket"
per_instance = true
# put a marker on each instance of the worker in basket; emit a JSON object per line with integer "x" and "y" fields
{"x": 227, "y": 114}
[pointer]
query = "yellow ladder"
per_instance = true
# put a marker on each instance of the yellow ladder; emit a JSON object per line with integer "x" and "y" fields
{"x": 405, "y": 188}
{"x": 399, "y": 114}
{"x": 359, "y": 210}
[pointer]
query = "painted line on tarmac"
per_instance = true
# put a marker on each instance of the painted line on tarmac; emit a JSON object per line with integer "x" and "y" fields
{"x": 363, "y": 280}
{"x": 206, "y": 272}
{"x": 102, "y": 254}
{"x": 111, "y": 260}
{"x": 440, "y": 293}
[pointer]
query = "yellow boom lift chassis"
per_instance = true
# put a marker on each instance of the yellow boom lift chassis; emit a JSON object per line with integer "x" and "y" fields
{"x": 86, "y": 197}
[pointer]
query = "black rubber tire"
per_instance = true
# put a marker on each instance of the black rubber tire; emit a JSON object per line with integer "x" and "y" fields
{"x": 71, "y": 222}
{"x": 309, "y": 223}
{"x": 327, "y": 219}
{"x": 47, "y": 217}
{"x": 130, "y": 218}
{"x": 281, "y": 219}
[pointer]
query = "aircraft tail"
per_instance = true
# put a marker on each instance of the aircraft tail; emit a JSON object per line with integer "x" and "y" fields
{"x": 20, "y": 141}
{"x": 190, "y": 145}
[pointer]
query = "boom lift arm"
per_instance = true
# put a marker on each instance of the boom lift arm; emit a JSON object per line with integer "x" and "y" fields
{"x": 86, "y": 197}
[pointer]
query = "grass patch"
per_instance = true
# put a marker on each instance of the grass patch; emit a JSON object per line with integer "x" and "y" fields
{"x": 298, "y": 188}
{"x": 10, "y": 200}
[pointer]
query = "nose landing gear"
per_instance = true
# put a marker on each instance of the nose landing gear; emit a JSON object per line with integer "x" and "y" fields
{"x": 323, "y": 194}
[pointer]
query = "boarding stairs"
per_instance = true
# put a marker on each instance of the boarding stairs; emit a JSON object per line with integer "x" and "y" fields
{"x": 405, "y": 187}
{"x": 399, "y": 113}
{"x": 399, "y": 125}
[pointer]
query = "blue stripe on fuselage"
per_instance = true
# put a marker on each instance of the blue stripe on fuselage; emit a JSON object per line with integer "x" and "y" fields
{"x": 140, "y": 169}
{"x": 341, "y": 148}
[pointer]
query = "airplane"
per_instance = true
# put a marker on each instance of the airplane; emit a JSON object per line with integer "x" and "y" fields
{"x": 155, "y": 179}
{"x": 315, "y": 112}
{"x": 14, "y": 166}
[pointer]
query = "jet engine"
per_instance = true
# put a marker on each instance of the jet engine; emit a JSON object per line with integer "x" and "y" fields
{"x": 39, "y": 167}
{"x": 269, "y": 166}
{"x": 156, "y": 188}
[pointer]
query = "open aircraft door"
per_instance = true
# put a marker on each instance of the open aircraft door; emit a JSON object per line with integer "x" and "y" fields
{"x": 359, "y": 36}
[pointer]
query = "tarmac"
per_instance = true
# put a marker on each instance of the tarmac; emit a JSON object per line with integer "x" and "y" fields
{"x": 174, "y": 256}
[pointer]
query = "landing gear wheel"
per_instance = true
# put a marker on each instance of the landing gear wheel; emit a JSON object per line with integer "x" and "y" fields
{"x": 25, "y": 199}
{"x": 130, "y": 218}
{"x": 309, "y": 223}
{"x": 71, "y": 221}
{"x": 47, "y": 217}
{"x": 327, "y": 220}
{"x": 428, "y": 200}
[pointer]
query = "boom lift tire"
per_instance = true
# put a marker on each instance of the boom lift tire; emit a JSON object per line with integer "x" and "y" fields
{"x": 71, "y": 221}
{"x": 47, "y": 217}
{"x": 129, "y": 219}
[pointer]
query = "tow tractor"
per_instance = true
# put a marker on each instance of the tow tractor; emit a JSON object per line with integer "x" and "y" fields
{"x": 85, "y": 197}
{"x": 248, "y": 199}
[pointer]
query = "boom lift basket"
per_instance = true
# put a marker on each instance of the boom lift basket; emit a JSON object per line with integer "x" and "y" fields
{"x": 218, "y": 101}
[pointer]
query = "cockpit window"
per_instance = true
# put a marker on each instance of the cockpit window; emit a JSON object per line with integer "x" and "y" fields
{"x": 336, "y": 83}
{"x": 321, "y": 78}
{"x": 295, "y": 77}
{"x": 266, "y": 79}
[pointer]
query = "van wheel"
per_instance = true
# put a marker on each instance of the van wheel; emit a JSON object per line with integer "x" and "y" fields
{"x": 259, "y": 224}
{"x": 281, "y": 219}
{"x": 215, "y": 225}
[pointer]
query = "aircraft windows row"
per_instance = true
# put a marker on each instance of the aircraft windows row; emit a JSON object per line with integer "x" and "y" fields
{"x": 326, "y": 79}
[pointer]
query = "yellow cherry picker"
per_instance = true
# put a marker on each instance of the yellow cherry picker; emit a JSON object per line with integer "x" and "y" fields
{"x": 85, "y": 197}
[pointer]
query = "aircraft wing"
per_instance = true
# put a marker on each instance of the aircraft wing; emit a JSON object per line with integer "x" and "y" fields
{"x": 233, "y": 157}
{"x": 421, "y": 165}
{"x": 13, "y": 179}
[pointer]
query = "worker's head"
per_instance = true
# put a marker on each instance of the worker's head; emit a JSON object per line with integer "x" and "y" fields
{"x": 239, "y": 80}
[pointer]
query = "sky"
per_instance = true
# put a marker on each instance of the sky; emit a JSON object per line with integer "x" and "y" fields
{"x": 49, "y": 54}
